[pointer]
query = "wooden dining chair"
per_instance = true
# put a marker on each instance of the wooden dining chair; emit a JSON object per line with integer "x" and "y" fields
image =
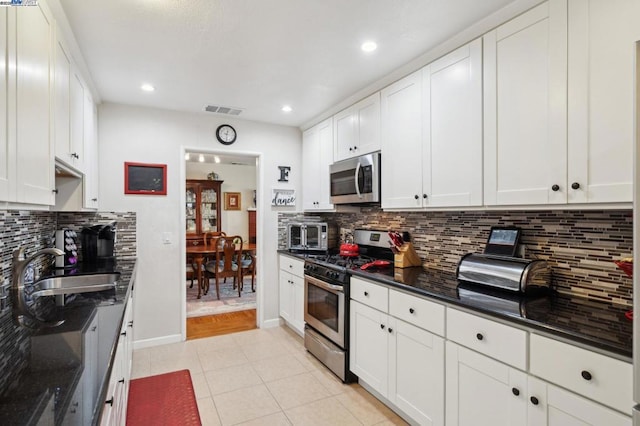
{"x": 226, "y": 263}
{"x": 248, "y": 267}
{"x": 192, "y": 268}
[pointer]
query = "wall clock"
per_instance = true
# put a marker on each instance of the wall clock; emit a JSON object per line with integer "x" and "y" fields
{"x": 226, "y": 134}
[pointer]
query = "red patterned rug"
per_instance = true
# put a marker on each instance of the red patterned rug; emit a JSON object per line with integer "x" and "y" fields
{"x": 166, "y": 399}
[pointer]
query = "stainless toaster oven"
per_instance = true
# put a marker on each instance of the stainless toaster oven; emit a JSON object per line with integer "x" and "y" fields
{"x": 309, "y": 237}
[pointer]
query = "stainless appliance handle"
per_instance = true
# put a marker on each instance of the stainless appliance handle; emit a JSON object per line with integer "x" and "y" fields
{"x": 356, "y": 179}
{"x": 303, "y": 236}
{"x": 335, "y": 289}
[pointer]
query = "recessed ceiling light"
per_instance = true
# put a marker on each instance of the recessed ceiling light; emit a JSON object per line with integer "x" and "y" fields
{"x": 147, "y": 87}
{"x": 187, "y": 156}
{"x": 201, "y": 158}
{"x": 369, "y": 46}
{"x": 287, "y": 108}
{"x": 216, "y": 159}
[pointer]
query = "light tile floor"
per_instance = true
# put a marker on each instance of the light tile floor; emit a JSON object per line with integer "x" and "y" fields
{"x": 263, "y": 377}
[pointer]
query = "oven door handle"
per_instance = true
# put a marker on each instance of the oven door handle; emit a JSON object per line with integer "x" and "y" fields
{"x": 329, "y": 287}
{"x": 355, "y": 177}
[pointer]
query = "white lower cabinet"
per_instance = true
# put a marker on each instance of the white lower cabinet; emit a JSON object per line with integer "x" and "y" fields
{"x": 403, "y": 363}
{"x": 559, "y": 407}
{"x": 369, "y": 354}
{"x": 416, "y": 372}
{"x": 482, "y": 391}
{"x": 485, "y": 373}
{"x": 115, "y": 406}
{"x": 292, "y": 292}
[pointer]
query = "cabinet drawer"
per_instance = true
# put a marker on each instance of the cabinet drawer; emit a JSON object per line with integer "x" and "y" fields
{"x": 499, "y": 341}
{"x": 596, "y": 376}
{"x": 374, "y": 295}
{"x": 294, "y": 266}
{"x": 417, "y": 311}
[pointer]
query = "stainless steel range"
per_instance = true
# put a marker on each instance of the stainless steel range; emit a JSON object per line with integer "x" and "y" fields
{"x": 326, "y": 300}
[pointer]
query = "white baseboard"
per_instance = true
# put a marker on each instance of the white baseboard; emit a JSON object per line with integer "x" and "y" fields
{"x": 271, "y": 323}
{"x": 157, "y": 341}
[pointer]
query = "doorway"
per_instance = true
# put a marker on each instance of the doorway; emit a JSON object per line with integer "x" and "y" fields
{"x": 220, "y": 192}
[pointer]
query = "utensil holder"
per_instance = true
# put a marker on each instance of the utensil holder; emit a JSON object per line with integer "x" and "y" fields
{"x": 407, "y": 257}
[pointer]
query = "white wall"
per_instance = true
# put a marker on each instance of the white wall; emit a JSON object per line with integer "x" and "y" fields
{"x": 236, "y": 178}
{"x": 147, "y": 135}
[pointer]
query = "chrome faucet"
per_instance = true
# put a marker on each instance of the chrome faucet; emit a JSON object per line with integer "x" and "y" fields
{"x": 20, "y": 264}
{"x": 21, "y": 311}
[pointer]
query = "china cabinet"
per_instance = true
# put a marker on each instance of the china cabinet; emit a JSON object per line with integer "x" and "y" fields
{"x": 202, "y": 199}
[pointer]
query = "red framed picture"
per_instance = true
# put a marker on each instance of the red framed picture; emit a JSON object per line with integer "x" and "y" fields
{"x": 145, "y": 179}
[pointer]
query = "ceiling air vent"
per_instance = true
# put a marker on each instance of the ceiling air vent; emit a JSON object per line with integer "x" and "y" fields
{"x": 222, "y": 110}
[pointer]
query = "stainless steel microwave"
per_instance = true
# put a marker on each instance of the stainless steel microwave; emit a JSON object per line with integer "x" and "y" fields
{"x": 311, "y": 237}
{"x": 356, "y": 180}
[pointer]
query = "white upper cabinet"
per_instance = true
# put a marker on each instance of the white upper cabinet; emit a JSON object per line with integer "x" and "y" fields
{"x": 601, "y": 41}
{"x": 317, "y": 156}
{"x": 6, "y": 165}
{"x": 432, "y": 131}
{"x": 78, "y": 99}
{"x": 34, "y": 148}
{"x": 357, "y": 129}
{"x": 403, "y": 151}
{"x": 453, "y": 128}
{"x": 61, "y": 112}
{"x": 525, "y": 108}
{"x": 90, "y": 150}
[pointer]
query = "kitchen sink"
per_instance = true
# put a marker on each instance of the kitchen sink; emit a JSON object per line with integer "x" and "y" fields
{"x": 72, "y": 284}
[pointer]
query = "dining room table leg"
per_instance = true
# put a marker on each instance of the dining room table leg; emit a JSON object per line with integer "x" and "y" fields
{"x": 198, "y": 262}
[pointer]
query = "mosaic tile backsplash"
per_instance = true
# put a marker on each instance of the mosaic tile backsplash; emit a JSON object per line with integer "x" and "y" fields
{"x": 580, "y": 245}
{"x": 34, "y": 231}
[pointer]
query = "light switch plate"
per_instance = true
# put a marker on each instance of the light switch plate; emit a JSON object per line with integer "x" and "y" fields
{"x": 166, "y": 238}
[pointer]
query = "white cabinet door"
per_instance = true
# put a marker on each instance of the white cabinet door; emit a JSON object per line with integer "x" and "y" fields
{"x": 317, "y": 156}
{"x": 481, "y": 391}
{"x": 525, "y": 108}
{"x": 601, "y": 98}
{"x": 77, "y": 121}
{"x": 6, "y": 165}
{"x": 369, "y": 343}
{"x": 404, "y": 153}
{"x": 368, "y": 112}
{"x": 555, "y": 406}
{"x": 61, "y": 112}
{"x": 90, "y": 187}
{"x": 345, "y": 133}
{"x": 286, "y": 296}
{"x": 357, "y": 129}
{"x": 416, "y": 372}
{"x": 34, "y": 149}
{"x": 453, "y": 128}
{"x": 298, "y": 303}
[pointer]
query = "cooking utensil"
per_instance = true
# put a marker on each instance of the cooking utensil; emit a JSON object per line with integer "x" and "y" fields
{"x": 349, "y": 250}
{"x": 376, "y": 264}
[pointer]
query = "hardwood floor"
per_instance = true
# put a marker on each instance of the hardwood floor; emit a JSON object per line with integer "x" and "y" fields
{"x": 216, "y": 325}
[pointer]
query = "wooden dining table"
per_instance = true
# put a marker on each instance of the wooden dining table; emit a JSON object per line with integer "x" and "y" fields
{"x": 198, "y": 253}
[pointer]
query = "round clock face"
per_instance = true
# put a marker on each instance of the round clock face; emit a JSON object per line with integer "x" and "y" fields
{"x": 226, "y": 134}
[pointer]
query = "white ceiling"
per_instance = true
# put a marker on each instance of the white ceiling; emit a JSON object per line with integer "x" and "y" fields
{"x": 257, "y": 55}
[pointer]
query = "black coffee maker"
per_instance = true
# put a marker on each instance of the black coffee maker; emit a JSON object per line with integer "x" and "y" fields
{"x": 98, "y": 242}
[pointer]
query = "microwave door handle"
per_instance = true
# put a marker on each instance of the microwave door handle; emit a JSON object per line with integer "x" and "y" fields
{"x": 303, "y": 236}
{"x": 356, "y": 180}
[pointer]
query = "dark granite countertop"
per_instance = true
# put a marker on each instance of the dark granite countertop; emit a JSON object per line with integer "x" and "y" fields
{"x": 600, "y": 325}
{"x": 46, "y": 354}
